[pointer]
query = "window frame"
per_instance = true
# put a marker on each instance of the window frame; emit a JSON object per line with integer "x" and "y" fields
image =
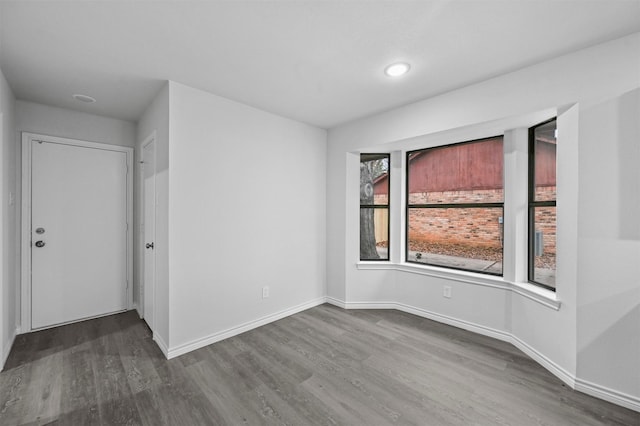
{"x": 409, "y": 206}
{"x": 374, "y": 206}
{"x": 532, "y": 204}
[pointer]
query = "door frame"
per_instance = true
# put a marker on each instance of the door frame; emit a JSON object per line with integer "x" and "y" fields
{"x": 25, "y": 280}
{"x": 142, "y": 291}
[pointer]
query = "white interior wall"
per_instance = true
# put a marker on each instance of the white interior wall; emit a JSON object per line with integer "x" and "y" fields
{"x": 609, "y": 245}
{"x": 531, "y": 323}
{"x": 155, "y": 120}
{"x": 53, "y": 121}
{"x": 585, "y": 77}
{"x": 246, "y": 210}
{"x": 9, "y": 222}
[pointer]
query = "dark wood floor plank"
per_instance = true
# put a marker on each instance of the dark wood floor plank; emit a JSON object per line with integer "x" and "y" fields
{"x": 136, "y": 352}
{"x": 323, "y": 366}
{"x": 114, "y": 396}
{"x": 13, "y": 385}
{"x": 351, "y": 407}
{"x": 283, "y": 387}
{"x": 43, "y": 393}
{"x": 232, "y": 400}
{"x": 79, "y": 403}
{"x": 269, "y": 359}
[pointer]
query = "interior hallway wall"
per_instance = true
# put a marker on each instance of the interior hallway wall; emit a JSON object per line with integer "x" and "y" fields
{"x": 9, "y": 222}
{"x": 246, "y": 210}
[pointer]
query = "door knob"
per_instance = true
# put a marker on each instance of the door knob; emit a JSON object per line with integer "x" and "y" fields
{"x": 149, "y": 245}
{"x": 39, "y": 243}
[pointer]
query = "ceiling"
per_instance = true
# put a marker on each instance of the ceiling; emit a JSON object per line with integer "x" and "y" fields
{"x": 319, "y": 62}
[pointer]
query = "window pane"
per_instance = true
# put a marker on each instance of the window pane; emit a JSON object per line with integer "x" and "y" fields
{"x": 374, "y": 179}
{"x": 545, "y": 161}
{"x": 544, "y": 246}
{"x": 374, "y": 234}
{"x": 462, "y": 173}
{"x": 374, "y": 222}
{"x": 463, "y": 238}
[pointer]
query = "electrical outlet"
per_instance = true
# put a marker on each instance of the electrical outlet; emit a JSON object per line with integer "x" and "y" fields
{"x": 446, "y": 292}
{"x": 265, "y": 292}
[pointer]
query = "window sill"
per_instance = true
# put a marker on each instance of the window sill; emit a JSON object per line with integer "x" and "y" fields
{"x": 539, "y": 294}
{"x": 543, "y": 296}
{"x": 375, "y": 264}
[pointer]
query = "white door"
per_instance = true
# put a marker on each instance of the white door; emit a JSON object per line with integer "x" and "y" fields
{"x": 78, "y": 232}
{"x": 149, "y": 227}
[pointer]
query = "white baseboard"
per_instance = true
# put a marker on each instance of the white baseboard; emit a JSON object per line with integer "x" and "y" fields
{"x": 371, "y": 305}
{"x": 466, "y": 325}
{"x": 137, "y": 308}
{"x": 613, "y": 396}
{"x": 610, "y": 395}
{"x": 336, "y": 302}
{"x": 547, "y": 363}
{"x": 7, "y": 349}
{"x": 161, "y": 344}
{"x": 225, "y": 334}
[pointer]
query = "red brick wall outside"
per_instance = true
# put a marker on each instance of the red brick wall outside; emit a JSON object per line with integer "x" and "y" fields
{"x": 380, "y": 199}
{"x": 546, "y": 222}
{"x": 546, "y": 218}
{"x": 464, "y": 196}
{"x": 467, "y": 227}
{"x": 475, "y": 227}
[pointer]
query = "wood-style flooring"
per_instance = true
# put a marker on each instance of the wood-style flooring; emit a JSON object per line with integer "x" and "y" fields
{"x": 323, "y": 366}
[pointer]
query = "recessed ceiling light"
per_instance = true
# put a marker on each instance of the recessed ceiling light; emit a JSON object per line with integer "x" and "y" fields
{"x": 84, "y": 98}
{"x": 397, "y": 69}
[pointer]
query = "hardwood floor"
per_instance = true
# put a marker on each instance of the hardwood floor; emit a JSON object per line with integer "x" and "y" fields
{"x": 324, "y": 366}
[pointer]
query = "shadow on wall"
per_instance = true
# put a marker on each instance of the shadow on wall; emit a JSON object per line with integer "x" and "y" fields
{"x": 628, "y": 170}
{"x": 609, "y": 341}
